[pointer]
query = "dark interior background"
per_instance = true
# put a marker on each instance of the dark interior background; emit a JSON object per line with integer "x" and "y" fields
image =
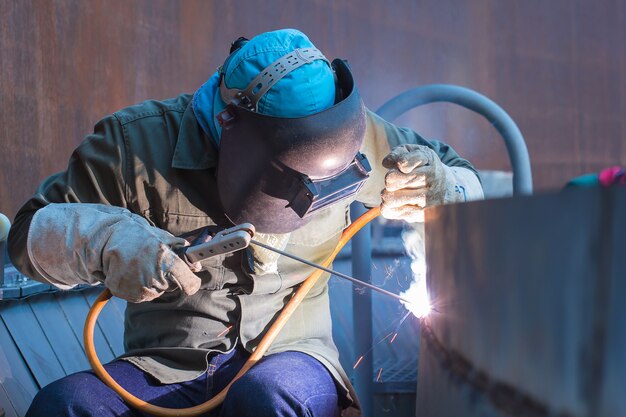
{"x": 557, "y": 67}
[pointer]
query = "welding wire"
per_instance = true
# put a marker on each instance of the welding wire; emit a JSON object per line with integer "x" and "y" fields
{"x": 330, "y": 271}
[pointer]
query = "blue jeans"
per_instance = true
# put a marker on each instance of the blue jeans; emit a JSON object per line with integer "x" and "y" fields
{"x": 284, "y": 384}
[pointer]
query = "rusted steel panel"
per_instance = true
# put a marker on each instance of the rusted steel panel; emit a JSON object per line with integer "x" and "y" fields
{"x": 528, "y": 313}
{"x": 558, "y": 67}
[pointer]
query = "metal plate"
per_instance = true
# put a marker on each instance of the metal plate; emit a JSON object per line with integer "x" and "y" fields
{"x": 526, "y": 291}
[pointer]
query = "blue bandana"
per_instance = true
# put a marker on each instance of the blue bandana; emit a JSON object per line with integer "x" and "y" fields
{"x": 202, "y": 104}
{"x": 307, "y": 90}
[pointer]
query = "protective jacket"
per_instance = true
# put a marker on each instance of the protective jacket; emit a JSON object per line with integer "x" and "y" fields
{"x": 154, "y": 160}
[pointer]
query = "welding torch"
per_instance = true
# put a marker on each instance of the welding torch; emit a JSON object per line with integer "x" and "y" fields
{"x": 241, "y": 236}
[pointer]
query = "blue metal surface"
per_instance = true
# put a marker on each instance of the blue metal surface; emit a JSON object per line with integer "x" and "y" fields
{"x": 393, "y": 371}
{"x": 31, "y": 340}
{"x": 76, "y": 307}
{"x": 41, "y": 340}
{"x": 398, "y": 359}
{"x": 4, "y": 399}
{"x": 16, "y": 286}
{"x": 16, "y": 379}
{"x": 361, "y": 268}
{"x": 63, "y": 339}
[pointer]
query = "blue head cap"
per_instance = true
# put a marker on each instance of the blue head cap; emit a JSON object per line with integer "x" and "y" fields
{"x": 306, "y": 90}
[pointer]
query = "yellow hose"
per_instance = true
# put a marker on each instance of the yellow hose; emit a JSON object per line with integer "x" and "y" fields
{"x": 258, "y": 353}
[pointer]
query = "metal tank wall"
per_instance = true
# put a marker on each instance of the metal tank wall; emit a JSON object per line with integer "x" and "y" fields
{"x": 529, "y": 315}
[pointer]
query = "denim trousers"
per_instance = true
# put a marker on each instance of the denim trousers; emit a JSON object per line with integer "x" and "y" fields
{"x": 283, "y": 384}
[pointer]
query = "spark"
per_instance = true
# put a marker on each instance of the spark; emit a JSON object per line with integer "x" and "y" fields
{"x": 388, "y": 272}
{"x": 360, "y": 290}
{"x": 380, "y": 371}
{"x": 393, "y": 333}
{"x": 226, "y": 330}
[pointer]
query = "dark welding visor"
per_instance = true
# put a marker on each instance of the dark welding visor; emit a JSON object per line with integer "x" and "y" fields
{"x": 276, "y": 172}
{"x": 314, "y": 195}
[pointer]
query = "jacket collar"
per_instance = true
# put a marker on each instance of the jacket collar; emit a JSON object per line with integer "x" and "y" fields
{"x": 193, "y": 148}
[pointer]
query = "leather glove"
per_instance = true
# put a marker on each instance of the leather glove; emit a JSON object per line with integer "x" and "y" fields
{"x": 417, "y": 178}
{"x": 265, "y": 261}
{"x": 70, "y": 244}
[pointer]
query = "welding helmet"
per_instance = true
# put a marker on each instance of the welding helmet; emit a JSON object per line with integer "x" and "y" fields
{"x": 277, "y": 172}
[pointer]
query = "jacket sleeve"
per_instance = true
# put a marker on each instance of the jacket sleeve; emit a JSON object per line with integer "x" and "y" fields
{"x": 95, "y": 174}
{"x": 382, "y": 136}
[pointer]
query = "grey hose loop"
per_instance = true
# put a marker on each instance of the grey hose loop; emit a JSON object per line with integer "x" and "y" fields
{"x": 5, "y": 225}
{"x": 470, "y": 99}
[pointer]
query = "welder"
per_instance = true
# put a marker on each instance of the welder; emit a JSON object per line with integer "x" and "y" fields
{"x": 278, "y": 137}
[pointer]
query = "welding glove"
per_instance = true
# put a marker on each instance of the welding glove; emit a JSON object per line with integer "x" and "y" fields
{"x": 70, "y": 244}
{"x": 417, "y": 178}
{"x": 264, "y": 260}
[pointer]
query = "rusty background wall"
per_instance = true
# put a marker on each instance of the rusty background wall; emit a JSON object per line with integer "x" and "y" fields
{"x": 558, "y": 67}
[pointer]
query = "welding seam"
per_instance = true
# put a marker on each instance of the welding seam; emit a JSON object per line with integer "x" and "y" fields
{"x": 503, "y": 396}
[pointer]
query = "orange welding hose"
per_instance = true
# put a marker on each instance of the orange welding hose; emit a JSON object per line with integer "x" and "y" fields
{"x": 258, "y": 353}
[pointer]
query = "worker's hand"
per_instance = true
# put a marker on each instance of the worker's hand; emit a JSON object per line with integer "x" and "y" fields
{"x": 72, "y": 244}
{"x": 140, "y": 263}
{"x": 417, "y": 178}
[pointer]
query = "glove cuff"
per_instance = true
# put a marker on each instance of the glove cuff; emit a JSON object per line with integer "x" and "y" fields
{"x": 463, "y": 185}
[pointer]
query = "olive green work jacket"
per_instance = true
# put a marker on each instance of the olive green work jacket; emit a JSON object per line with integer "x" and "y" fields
{"x": 154, "y": 160}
